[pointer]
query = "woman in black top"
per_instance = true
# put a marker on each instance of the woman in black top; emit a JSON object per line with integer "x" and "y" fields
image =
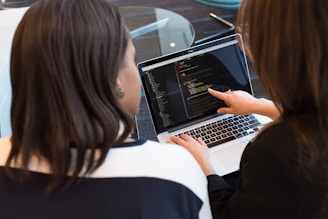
{"x": 284, "y": 170}
{"x": 75, "y": 92}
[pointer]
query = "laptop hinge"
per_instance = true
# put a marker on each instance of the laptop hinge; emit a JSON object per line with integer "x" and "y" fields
{"x": 193, "y": 122}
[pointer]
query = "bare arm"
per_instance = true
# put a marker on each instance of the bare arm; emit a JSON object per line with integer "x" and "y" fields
{"x": 241, "y": 103}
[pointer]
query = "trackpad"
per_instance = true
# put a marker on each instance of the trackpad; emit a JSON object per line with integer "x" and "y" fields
{"x": 226, "y": 160}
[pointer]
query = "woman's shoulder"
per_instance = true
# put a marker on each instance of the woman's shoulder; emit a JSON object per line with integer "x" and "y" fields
{"x": 153, "y": 157}
{"x": 165, "y": 152}
{"x": 154, "y": 149}
{"x": 5, "y": 145}
{"x": 150, "y": 157}
{"x": 276, "y": 142}
{"x": 282, "y": 130}
{"x": 175, "y": 150}
{"x": 276, "y": 133}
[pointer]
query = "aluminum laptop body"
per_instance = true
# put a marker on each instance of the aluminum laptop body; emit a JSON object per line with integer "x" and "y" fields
{"x": 175, "y": 88}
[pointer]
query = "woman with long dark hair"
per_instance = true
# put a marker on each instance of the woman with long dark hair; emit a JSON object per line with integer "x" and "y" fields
{"x": 75, "y": 92}
{"x": 284, "y": 170}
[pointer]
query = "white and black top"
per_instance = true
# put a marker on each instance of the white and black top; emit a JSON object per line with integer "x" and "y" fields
{"x": 143, "y": 179}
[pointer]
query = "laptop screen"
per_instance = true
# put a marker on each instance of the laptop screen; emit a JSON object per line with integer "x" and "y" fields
{"x": 176, "y": 85}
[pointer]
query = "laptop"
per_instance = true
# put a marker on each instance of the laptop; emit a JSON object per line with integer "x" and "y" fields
{"x": 175, "y": 87}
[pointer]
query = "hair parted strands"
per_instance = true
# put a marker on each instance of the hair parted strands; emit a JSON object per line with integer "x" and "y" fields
{"x": 65, "y": 60}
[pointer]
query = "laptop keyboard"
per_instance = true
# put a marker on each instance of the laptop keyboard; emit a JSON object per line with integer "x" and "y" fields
{"x": 225, "y": 130}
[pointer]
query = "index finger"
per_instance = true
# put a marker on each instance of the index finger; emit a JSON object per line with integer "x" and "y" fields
{"x": 217, "y": 94}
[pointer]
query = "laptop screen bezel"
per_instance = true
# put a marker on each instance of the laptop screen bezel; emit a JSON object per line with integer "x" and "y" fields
{"x": 144, "y": 66}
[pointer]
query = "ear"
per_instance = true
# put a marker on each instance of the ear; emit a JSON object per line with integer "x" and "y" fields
{"x": 118, "y": 82}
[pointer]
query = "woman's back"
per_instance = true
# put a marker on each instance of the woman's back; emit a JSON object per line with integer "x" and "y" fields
{"x": 140, "y": 179}
{"x": 75, "y": 93}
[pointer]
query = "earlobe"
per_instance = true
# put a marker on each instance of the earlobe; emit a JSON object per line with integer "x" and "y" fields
{"x": 121, "y": 93}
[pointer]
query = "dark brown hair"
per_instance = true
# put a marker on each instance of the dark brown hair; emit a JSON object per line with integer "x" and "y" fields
{"x": 66, "y": 56}
{"x": 287, "y": 41}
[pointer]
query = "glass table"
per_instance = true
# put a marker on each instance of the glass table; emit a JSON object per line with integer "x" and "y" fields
{"x": 156, "y": 32}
